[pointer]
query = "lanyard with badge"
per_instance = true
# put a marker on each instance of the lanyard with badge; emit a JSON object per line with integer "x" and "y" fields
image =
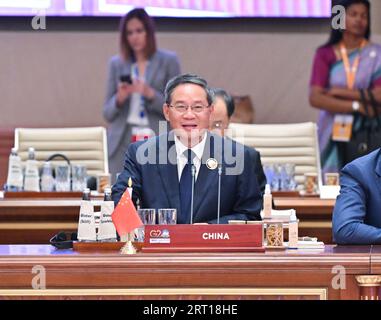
{"x": 141, "y": 130}
{"x": 343, "y": 123}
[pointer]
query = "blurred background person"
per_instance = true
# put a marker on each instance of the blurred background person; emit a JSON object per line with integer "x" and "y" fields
{"x": 347, "y": 63}
{"x": 135, "y": 86}
{"x": 224, "y": 108}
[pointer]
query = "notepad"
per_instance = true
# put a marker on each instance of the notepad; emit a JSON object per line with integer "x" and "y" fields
{"x": 283, "y": 215}
{"x": 309, "y": 245}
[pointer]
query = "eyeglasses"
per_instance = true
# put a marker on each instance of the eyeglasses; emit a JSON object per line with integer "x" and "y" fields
{"x": 181, "y": 108}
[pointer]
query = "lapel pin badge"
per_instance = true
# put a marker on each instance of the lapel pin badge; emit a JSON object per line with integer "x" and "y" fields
{"x": 211, "y": 163}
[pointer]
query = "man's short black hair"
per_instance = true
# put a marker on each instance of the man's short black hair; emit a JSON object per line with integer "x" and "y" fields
{"x": 228, "y": 99}
{"x": 183, "y": 79}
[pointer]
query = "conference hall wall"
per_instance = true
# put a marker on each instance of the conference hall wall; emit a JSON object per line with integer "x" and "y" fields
{"x": 57, "y": 77}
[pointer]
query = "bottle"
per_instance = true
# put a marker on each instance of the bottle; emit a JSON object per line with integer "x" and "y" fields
{"x": 86, "y": 223}
{"x": 106, "y": 231}
{"x": 32, "y": 178}
{"x": 107, "y": 196}
{"x": 86, "y": 194}
{"x": 267, "y": 202}
{"x": 47, "y": 180}
{"x": 293, "y": 231}
{"x": 15, "y": 174}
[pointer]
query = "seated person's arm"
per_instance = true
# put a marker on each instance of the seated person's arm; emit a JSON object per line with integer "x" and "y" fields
{"x": 348, "y": 222}
{"x": 130, "y": 169}
{"x": 259, "y": 173}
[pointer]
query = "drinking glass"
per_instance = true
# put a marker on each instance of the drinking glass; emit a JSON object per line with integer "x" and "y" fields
{"x": 148, "y": 217}
{"x": 167, "y": 216}
{"x": 269, "y": 173}
{"x": 287, "y": 173}
{"x": 79, "y": 178}
{"x": 62, "y": 178}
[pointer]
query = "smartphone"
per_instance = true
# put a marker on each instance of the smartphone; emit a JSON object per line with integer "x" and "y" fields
{"x": 126, "y": 78}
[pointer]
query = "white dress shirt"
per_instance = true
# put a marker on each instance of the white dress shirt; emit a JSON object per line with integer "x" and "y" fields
{"x": 182, "y": 160}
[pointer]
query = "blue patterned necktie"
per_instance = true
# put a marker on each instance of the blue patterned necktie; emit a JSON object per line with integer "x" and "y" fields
{"x": 185, "y": 188}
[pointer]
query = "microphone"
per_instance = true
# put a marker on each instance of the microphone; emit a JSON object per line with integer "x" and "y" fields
{"x": 219, "y": 193}
{"x": 193, "y": 170}
{"x": 221, "y": 155}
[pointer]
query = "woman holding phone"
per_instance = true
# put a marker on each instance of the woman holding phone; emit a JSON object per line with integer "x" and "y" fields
{"x": 135, "y": 86}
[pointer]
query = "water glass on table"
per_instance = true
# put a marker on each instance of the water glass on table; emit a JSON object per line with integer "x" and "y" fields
{"x": 63, "y": 178}
{"x": 148, "y": 217}
{"x": 79, "y": 182}
{"x": 47, "y": 179}
{"x": 167, "y": 216}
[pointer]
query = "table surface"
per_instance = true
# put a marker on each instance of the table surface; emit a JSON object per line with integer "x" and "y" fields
{"x": 328, "y": 251}
{"x": 288, "y": 274}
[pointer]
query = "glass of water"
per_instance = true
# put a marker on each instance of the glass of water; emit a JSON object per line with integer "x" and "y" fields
{"x": 268, "y": 170}
{"x": 148, "y": 217}
{"x": 167, "y": 216}
{"x": 290, "y": 173}
{"x": 275, "y": 182}
{"x": 63, "y": 178}
{"x": 79, "y": 178}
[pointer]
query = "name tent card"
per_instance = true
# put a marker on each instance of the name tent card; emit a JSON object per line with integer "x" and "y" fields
{"x": 86, "y": 223}
{"x": 106, "y": 230}
{"x": 204, "y": 238}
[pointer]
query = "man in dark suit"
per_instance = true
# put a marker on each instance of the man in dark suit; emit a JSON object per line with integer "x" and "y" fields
{"x": 162, "y": 168}
{"x": 224, "y": 108}
{"x": 357, "y": 213}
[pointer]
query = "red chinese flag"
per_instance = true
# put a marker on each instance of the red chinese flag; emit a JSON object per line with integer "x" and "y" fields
{"x": 124, "y": 216}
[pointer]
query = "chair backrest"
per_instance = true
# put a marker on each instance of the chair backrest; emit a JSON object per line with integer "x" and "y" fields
{"x": 86, "y": 146}
{"x": 295, "y": 143}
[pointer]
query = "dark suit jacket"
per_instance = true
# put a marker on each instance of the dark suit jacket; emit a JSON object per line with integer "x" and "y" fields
{"x": 357, "y": 213}
{"x": 156, "y": 184}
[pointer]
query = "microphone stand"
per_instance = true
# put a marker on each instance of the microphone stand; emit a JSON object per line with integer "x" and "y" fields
{"x": 219, "y": 193}
{"x": 192, "y": 196}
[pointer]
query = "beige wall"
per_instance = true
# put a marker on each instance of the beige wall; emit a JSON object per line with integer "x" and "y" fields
{"x": 376, "y": 16}
{"x": 57, "y": 78}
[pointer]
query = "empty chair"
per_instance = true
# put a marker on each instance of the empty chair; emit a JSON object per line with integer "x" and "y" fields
{"x": 295, "y": 143}
{"x": 86, "y": 146}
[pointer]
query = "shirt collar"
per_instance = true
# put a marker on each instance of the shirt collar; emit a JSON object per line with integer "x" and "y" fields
{"x": 198, "y": 149}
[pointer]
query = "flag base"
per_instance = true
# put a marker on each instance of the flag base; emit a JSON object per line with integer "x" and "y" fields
{"x": 128, "y": 248}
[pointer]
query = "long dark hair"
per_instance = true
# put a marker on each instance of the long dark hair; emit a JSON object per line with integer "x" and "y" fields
{"x": 149, "y": 26}
{"x": 337, "y": 34}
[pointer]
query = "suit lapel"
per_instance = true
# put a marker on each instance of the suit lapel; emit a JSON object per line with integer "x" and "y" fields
{"x": 206, "y": 178}
{"x": 168, "y": 170}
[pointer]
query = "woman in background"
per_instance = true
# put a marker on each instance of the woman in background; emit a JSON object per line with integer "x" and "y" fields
{"x": 347, "y": 63}
{"x": 135, "y": 86}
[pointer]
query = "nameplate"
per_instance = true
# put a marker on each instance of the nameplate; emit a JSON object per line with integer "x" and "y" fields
{"x": 204, "y": 238}
{"x": 42, "y": 194}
